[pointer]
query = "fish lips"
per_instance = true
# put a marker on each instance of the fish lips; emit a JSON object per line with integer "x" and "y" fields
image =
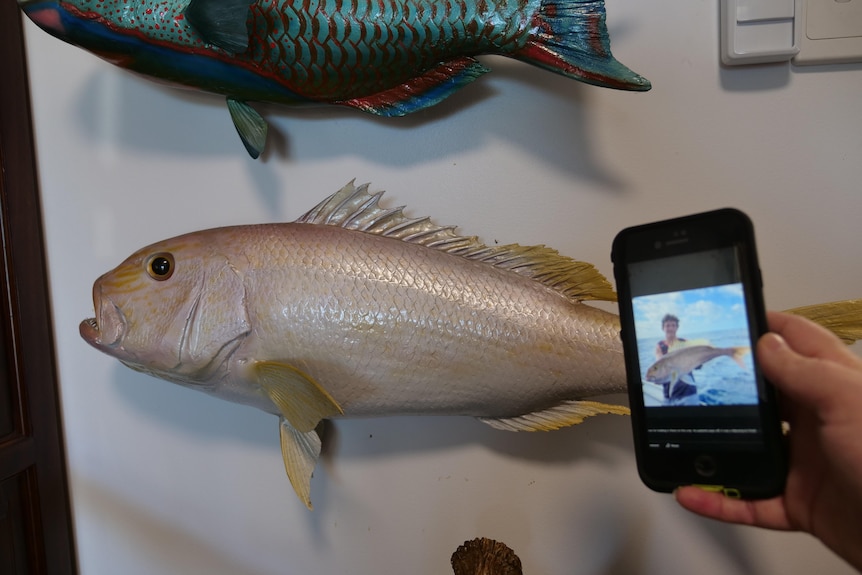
{"x": 107, "y": 330}
{"x": 46, "y": 14}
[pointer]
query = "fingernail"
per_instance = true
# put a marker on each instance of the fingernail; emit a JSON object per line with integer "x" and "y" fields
{"x": 773, "y": 342}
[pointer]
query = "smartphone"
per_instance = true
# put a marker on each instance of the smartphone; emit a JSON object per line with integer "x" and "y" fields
{"x": 691, "y": 311}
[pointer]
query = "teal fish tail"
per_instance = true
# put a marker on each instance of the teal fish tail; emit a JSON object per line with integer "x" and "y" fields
{"x": 571, "y": 38}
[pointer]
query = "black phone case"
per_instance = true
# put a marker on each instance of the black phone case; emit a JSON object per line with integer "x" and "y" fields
{"x": 760, "y": 474}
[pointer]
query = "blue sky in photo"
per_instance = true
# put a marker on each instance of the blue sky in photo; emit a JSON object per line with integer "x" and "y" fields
{"x": 700, "y": 311}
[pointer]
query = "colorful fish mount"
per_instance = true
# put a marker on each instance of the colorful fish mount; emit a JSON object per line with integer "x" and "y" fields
{"x": 358, "y": 310}
{"x": 387, "y": 57}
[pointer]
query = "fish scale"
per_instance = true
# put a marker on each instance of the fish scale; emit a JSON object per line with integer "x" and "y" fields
{"x": 385, "y": 57}
{"x": 401, "y": 37}
{"x": 357, "y": 310}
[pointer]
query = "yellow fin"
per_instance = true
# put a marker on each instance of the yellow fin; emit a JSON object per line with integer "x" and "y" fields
{"x": 843, "y": 318}
{"x": 563, "y": 415}
{"x": 354, "y": 208}
{"x": 301, "y": 400}
{"x": 300, "y": 452}
{"x": 738, "y": 354}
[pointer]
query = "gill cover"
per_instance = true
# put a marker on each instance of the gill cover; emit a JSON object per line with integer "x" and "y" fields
{"x": 217, "y": 318}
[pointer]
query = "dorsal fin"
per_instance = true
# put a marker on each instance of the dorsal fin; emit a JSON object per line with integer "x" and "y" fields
{"x": 354, "y": 208}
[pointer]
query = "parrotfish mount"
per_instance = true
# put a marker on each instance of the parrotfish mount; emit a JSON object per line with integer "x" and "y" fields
{"x": 388, "y": 57}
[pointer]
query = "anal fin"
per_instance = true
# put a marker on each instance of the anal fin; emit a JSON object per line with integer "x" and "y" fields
{"x": 424, "y": 91}
{"x": 563, "y": 415}
{"x": 300, "y": 451}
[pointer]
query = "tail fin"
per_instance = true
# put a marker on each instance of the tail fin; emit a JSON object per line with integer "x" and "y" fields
{"x": 843, "y": 318}
{"x": 571, "y": 39}
{"x": 738, "y": 354}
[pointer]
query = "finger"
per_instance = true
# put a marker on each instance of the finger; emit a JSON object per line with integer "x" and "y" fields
{"x": 768, "y": 513}
{"x": 807, "y": 380}
{"x": 812, "y": 340}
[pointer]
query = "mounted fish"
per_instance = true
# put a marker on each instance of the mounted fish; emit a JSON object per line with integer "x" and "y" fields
{"x": 389, "y": 57}
{"x": 357, "y": 310}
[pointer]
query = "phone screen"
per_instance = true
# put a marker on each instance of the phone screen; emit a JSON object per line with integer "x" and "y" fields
{"x": 691, "y": 311}
{"x": 694, "y": 347}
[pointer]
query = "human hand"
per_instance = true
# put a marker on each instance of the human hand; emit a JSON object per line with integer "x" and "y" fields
{"x": 820, "y": 381}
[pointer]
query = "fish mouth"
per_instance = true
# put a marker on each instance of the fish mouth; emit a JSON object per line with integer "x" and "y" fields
{"x": 107, "y": 330}
{"x": 45, "y": 13}
{"x": 89, "y": 330}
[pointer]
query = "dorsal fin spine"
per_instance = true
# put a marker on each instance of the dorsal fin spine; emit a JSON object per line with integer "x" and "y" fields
{"x": 354, "y": 208}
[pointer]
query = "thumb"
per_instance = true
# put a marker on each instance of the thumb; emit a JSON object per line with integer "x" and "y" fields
{"x": 814, "y": 381}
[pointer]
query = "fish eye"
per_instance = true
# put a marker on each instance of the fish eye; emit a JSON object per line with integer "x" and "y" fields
{"x": 160, "y": 266}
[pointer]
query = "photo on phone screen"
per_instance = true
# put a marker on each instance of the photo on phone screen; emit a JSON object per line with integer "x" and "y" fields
{"x": 694, "y": 347}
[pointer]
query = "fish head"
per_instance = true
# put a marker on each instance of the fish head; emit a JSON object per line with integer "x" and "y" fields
{"x": 174, "y": 309}
{"x": 656, "y": 373}
{"x": 46, "y": 14}
{"x": 115, "y": 30}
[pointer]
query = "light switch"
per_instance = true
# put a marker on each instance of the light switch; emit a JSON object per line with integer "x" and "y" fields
{"x": 830, "y": 32}
{"x": 751, "y": 10}
{"x": 758, "y": 31}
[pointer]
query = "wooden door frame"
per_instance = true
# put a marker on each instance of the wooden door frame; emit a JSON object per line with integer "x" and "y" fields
{"x": 36, "y": 450}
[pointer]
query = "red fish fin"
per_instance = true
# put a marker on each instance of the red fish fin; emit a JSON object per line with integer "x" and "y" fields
{"x": 571, "y": 39}
{"x": 421, "y": 92}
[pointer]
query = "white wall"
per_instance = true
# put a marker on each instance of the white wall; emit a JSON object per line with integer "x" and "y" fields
{"x": 166, "y": 480}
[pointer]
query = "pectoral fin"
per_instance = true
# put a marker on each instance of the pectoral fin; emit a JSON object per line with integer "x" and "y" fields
{"x": 563, "y": 415}
{"x": 250, "y": 126}
{"x": 674, "y": 379}
{"x": 222, "y": 23}
{"x": 301, "y": 400}
{"x": 300, "y": 452}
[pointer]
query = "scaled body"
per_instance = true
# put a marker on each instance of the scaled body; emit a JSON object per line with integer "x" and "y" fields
{"x": 679, "y": 362}
{"x": 355, "y": 310}
{"x": 388, "y": 57}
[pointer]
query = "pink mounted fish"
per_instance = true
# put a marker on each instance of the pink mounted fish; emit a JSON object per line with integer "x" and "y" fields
{"x": 356, "y": 310}
{"x": 387, "y": 57}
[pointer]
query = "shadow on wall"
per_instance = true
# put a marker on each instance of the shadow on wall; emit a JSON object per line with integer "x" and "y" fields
{"x": 601, "y": 439}
{"x": 754, "y": 77}
{"x": 191, "y": 412}
{"x": 543, "y": 114}
{"x": 119, "y": 523}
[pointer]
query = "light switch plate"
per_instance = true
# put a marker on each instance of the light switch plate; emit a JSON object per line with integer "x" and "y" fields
{"x": 757, "y": 31}
{"x": 829, "y": 32}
